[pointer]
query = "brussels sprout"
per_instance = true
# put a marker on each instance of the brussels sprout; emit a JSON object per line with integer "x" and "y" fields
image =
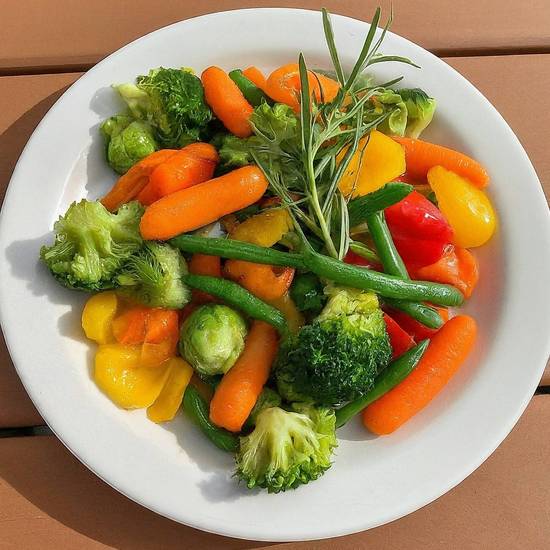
{"x": 212, "y": 338}
{"x": 127, "y": 141}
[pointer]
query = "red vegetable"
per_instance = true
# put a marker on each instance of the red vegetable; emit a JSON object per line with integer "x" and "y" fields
{"x": 420, "y": 232}
{"x": 400, "y": 340}
{"x": 415, "y": 329}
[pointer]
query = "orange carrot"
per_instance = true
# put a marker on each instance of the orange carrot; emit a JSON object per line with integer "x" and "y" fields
{"x": 457, "y": 267}
{"x": 283, "y": 85}
{"x": 193, "y": 164}
{"x": 162, "y": 324}
{"x": 202, "y": 204}
{"x": 131, "y": 326}
{"x": 446, "y": 352}
{"x": 256, "y": 77}
{"x": 421, "y": 155}
{"x": 240, "y": 387}
{"x": 227, "y": 101}
{"x": 267, "y": 282}
{"x": 203, "y": 264}
{"x": 148, "y": 195}
{"x": 130, "y": 184}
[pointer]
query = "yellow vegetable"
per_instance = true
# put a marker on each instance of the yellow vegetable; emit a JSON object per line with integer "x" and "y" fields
{"x": 466, "y": 207}
{"x": 97, "y": 317}
{"x": 118, "y": 374}
{"x": 378, "y": 160}
{"x": 263, "y": 229}
{"x": 287, "y": 307}
{"x": 169, "y": 400}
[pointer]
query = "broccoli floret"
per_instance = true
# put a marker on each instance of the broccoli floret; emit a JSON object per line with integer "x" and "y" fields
{"x": 91, "y": 244}
{"x": 127, "y": 141}
{"x": 153, "y": 276}
{"x": 172, "y": 101}
{"x": 338, "y": 356}
{"x": 267, "y": 399}
{"x": 287, "y": 448}
{"x": 307, "y": 293}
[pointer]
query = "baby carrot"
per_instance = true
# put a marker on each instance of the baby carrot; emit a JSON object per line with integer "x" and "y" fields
{"x": 227, "y": 101}
{"x": 240, "y": 387}
{"x": 420, "y": 156}
{"x": 131, "y": 184}
{"x": 202, "y": 204}
{"x": 193, "y": 164}
{"x": 446, "y": 352}
{"x": 204, "y": 264}
{"x": 147, "y": 195}
{"x": 256, "y": 77}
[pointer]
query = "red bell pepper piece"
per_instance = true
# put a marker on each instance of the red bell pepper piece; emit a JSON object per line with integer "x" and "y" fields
{"x": 415, "y": 329}
{"x": 420, "y": 232}
{"x": 400, "y": 340}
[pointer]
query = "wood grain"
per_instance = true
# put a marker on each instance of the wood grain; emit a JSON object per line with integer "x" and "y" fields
{"x": 29, "y": 97}
{"x": 80, "y": 33}
{"x": 50, "y": 501}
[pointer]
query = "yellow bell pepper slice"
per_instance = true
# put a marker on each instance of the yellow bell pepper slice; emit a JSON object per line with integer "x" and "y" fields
{"x": 119, "y": 375}
{"x": 97, "y": 317}
{"x": 169, "y": 400}
{"x": 263, "y": 229}
{"x": 378, "y": 160}
{"x": 466, "y": 207}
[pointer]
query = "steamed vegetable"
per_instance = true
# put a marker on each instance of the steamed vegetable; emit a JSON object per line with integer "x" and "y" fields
{"x": 202, "y": 204}
{"x": 227, "y": 101}
{"x": 447, "y": 350}
{"x": 97, "y": 317}
{"x": 400, "y": 340}
{"x": 91, "y": 245}
{"x": 172, "y": 101}
{"x": 420, "y": 110}
{"x": 338, "y": 356}
{"x": 422, "y": 155}
{"x": 252, "y": 93}
{"x": 466, "y": 207}
{"x": 287, "y": 448}
{"x": 307, "y": 293}
{"x": 127, "y": 141}
{"x": 212, "y": 338}
{"x": 153, "y": 276}
{"x": 241, "y": 386}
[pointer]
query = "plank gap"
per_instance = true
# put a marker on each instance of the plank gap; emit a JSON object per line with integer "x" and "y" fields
{"x": 26, "y": 431}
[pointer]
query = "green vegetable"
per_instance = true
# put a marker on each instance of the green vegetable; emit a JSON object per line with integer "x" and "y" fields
{"x": 268, "y": 398}
{"x": 338, "y": 356}
{"x": 251, "y": 92}
{"x": 362, "y": 207}
{"x": 388, "y": 379}
{"x": 393, "y": 264}
{"x": 307, "y": 293}
{"x": 212, "y": 338}
{"x": 91, "y": 244}
{"x": 325, "y": 267}
{"x": 153, "y": 276}
{"x": 127, "y": 142}
{"x": 197, "y": 409}
{"x": 420, "y": 110}
{"x": 390, "y": 102}
{"x": 172, "y": 101}
{"x": 239, "y": 298}
{"x": 287, "y": 448}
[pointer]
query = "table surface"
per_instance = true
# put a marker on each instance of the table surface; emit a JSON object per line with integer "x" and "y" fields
{"x": 49, "y": 500}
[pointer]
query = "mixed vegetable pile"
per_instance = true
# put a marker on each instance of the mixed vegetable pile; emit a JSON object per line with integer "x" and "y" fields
{"x": 278, "y": 255}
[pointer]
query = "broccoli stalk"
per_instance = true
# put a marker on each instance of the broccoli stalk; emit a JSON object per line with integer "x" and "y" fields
{"x": 287, "y": 448}
{"x": 153, "y": 276}
{"x": 336, "y": 358}
{"x": 92, "y": 244}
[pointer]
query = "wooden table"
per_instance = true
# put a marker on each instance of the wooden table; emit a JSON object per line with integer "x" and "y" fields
{"x": 47, "y": 498}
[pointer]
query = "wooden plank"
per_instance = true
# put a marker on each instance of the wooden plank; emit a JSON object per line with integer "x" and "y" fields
{"x": 78, "y": 33}
{"x": 29, "y": 97}
{"x": 50, "y": 500}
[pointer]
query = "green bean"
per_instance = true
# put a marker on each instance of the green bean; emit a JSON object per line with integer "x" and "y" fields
{"x": 197, "y": 408}
{"x": 364, "y": 251}
{"x": 251, "y": 92}
{"x": 392, "y": 375}
{"x": 388, "y": 286}
{"x": 237, "y": 250}
{"x": 393, "y": 264}
{"x": 238, "y": 297}
{"x": 362, "y": 207}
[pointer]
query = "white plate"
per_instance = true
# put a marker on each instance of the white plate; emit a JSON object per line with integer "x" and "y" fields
{"x": 172, "y": 469}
